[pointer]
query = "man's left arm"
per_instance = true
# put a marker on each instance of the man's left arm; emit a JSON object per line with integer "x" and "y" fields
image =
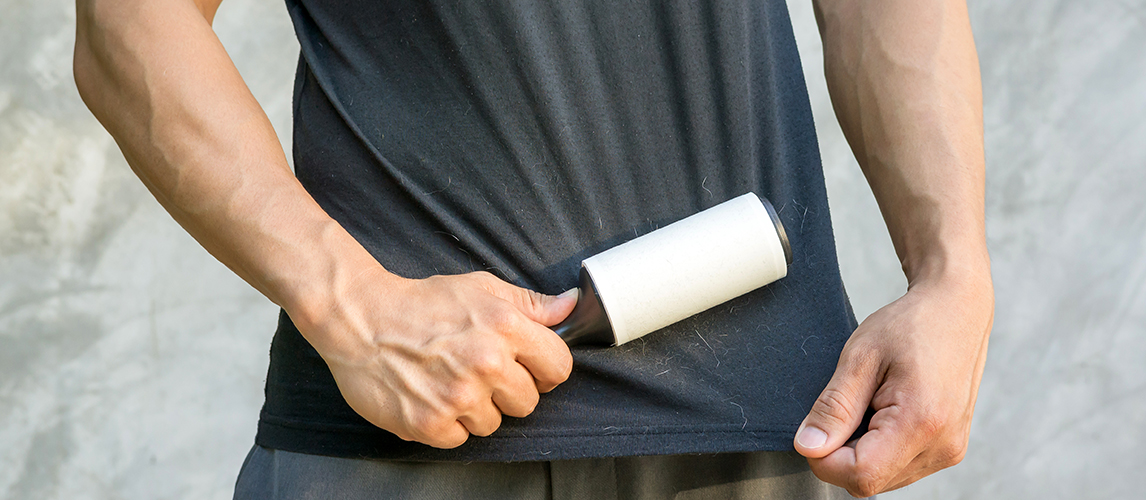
{"x": 904, "y": 80}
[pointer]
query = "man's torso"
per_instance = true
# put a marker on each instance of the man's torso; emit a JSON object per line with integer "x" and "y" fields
{"x": 521, "y": 137}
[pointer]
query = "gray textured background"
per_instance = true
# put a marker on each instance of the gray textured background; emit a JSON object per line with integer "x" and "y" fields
{"x": 131, "y": 363}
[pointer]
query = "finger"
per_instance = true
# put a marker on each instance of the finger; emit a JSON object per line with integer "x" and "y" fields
{"x": 537, "y": 348}
{"x": 879, "y": 459}
{"x": 517, "y": 394}
{"x": 482, "y": 420}
{"x": 916, "y": 470}
{"x": 939, "y": 452}
{"x": 832, "y": 468}
{"x": 548, "y": 310}
{"x": 544, "y": 355}
{"x": 838, "y": 411}
{"x": 446, "y": 435}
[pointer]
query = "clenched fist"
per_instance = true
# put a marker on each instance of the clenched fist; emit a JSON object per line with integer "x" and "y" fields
{"x": 437, "y": 359}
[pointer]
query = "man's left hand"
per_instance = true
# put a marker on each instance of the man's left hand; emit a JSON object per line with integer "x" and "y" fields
{"x": 917, "y": 363}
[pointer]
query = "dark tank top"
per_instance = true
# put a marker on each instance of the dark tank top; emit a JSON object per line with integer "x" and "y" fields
{"x": 520, "y": 137}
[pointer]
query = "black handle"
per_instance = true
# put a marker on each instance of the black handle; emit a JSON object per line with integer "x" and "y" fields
{"x": 587, "y": 324}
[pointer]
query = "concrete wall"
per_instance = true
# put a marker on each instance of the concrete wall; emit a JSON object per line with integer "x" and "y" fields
{"x": 131, "y": 363}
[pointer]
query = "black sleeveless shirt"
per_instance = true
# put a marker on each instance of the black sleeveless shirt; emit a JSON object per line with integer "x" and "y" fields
{"x": 520, "y": 137}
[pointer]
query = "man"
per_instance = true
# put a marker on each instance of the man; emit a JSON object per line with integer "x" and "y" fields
{"x": 437, "y": 141}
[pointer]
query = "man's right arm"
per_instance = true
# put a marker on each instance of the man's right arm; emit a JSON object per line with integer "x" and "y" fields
{"x": 159, "y": 80}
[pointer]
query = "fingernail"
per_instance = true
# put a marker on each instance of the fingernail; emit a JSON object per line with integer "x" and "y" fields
{"x": 811, "y": 437}
{"x": 572, "y": 292}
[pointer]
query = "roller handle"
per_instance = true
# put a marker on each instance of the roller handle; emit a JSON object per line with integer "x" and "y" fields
{"x": 587, "y": 324}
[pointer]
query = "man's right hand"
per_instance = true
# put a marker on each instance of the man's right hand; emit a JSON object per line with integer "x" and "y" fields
{"x": 431, "y": 360}
{"x": 438, "y": 359}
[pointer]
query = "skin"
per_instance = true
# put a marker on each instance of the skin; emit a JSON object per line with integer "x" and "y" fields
{"x": 904, "y": 80}
{"x": 154, "y": 73}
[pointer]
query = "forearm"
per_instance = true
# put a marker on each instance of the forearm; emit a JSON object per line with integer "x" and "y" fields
{"x": 904, "y": 80}
{"x": 156, "y": 76}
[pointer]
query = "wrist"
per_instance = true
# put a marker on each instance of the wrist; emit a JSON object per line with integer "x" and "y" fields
{"x": 955, "y": 259}
{"x": 958, "y": 276}
{"x": 945, "y": 251}
{"x": 333, "y": 278}
{"x": 970, "y": 264}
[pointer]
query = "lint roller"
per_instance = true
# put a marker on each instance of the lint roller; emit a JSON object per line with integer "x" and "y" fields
{"x": 677, "y": 271}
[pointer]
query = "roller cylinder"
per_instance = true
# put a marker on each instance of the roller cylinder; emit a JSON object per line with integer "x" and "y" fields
{"x": 677, "y": 271}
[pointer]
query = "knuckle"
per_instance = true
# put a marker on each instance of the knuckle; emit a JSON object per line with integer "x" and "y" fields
{"x": 519, "y": 403}
{"x": 531, "y": 399}
{"x": 486, "y": 281}
{"x": 431, "y": 426}
{"x": 405, "y": 434}
{"x": 834, "y": 406}
{"x": 502, "y": 319}
{"x": 564, "y": 365}
{"x": 460, "y": 398}
{"x": 931, "y": 422}
{"x": 566, "y": 369}
{"x": 854, "y": 345}
{"x": 481, "y": 277}
{"x": 452, "y": 440}
{"x": 532, "y": 299}
{"x": 487, "y": 363}
{"x": 952, "y": 453}
{"x": 867, "y": 483}
{"x": 820, "y": 473}
{"x": 548, "y": 382}
{"x": 489, "y": 427}
{"x": 445, "y": 437}
{"x": 861, "y": 354}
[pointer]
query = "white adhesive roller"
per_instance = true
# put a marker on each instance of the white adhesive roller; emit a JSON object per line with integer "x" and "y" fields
{"x": 677, "y": 271}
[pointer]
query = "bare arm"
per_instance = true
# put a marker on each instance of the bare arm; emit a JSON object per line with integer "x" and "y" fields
{"x": 904, "y": 80}
{"x": 156, "y": 76}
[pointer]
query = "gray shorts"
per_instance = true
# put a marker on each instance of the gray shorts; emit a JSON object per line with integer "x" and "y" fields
{"x": 281, "y": 475}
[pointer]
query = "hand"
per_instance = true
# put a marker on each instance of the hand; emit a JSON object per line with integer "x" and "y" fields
{"x": 917, "y": 362}
{"x": 438, "y": 359}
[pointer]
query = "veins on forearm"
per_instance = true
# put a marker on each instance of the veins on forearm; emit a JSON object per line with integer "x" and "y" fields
{"x": 904, "y": 81}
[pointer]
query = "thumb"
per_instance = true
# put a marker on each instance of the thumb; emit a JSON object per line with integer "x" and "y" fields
{"x": 839, "y": 410}
{"x": 547, "y": 310}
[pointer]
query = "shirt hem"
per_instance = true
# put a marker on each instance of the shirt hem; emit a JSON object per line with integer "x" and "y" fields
{"x": 566, "y": 444}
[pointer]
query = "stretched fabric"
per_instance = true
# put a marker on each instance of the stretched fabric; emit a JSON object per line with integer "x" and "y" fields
{"x": 522, "y": 137}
